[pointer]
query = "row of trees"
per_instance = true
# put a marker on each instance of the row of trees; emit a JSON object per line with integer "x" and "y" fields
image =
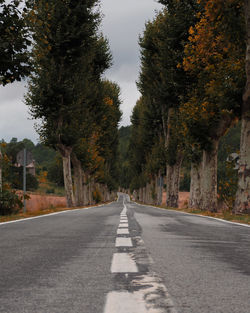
{"x": 78, "y": 110}
{"x": 192, "y": 79}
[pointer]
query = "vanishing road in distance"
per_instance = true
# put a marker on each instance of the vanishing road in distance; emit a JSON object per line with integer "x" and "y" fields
{"x": 124, "y": 258}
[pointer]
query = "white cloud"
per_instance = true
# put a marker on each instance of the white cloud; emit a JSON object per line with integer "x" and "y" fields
{"x": 124, "y": 21}
{"x": 14, "y": 115}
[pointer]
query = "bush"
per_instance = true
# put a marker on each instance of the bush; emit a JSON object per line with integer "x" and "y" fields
{"x": 50, "y": 190}
{"x": 15, "y": 178}
{"x": 10, "y": 202}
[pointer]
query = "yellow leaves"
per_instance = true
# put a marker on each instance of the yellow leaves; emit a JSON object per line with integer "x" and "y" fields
{"x": 108, "y": 101}
{"x": 191, "y": 31}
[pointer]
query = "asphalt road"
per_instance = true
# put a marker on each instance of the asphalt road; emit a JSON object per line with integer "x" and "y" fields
{"x": 124, "y": 257}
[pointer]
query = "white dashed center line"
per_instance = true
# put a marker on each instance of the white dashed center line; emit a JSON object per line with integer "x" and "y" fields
{"x": 123, "y": 263}
{"x": 123, "y": 242}
{"x": 123, "y": 225}
{"x": 149, "y": 294}
{"x": 124, "y": 302}
{"x": 122, "y": 231}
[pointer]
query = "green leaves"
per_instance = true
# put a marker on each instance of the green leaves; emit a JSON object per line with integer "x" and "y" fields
{"x": 14, "y": 43}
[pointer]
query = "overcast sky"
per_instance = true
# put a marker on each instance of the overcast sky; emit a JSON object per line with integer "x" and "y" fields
{"x": 122, "y": 23}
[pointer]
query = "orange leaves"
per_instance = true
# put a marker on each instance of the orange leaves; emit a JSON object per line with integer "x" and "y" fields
{"x": 215, "y": 59}
{"x": 108, "y": 101}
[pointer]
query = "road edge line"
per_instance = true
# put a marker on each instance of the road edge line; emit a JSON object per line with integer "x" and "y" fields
{"x": 210, "y": 217}
{"x": 51, "y": 214}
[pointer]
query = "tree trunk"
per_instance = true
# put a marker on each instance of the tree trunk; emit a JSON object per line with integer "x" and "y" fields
{"x": 85, "y": 190}
{"x": 159, "y": 188}
{"x": 173, "y": 182}
{"x": 66, "y": 153}
{"x": 195, "y": 186}
{"x": 78, "y": 180}
{"x": 90, "y": 191}
{"x": 242, "y": 201}
{"x": 173, "y": 171}
{"x": 141, "y": 194}
{"x": 144, "y": 194}
{"x": 209, "y": 178}
{"x": 147, "y": 193}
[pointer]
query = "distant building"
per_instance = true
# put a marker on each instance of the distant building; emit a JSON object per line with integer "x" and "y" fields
{"x": 31, "y": 168}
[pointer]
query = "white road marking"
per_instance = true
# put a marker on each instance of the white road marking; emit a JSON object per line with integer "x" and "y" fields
{"x": 123, "y": 225}
{"x": 122, "y": 231}
{"x": 123, "y": 221}
{"x": 123, "y": 263}
{"x": 123, "y": 242}
{"x": 208, "y": 217}
{"x": 123, "y": 217}
{"x": 124, "y": 302}
{"x": 151, "y": 296}
{"x": 51, "y": 214}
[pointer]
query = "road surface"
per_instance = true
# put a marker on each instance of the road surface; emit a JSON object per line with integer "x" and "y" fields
{"x": 124, "y": 258}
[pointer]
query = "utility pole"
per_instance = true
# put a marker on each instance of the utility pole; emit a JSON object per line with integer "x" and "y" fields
{"x": 24, "y": 178}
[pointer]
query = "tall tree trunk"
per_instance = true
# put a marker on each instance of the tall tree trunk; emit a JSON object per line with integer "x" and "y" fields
{"x": 173, "y": 182}
{"x": 195, "y": 186}
{"x": 85, "y": 190}
{"x": 66, "y": 157}
{"x": 159, "y": 188}
{"x": 173, "y": 171}
{"x": 90, "y": 190}
{"x": 209, "y": 178}
{"x": 144, "y": 194}
{"x": 141, "y": 194}
{"x": 147, "y": 193}
{"x": 78, "y": 180}
{"x": 242, "y": 201}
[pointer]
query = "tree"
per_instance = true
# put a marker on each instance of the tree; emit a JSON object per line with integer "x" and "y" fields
{"x": 68, "y": 58}
{"x": 165, "y": 84}
{"x": 214, "y": 56}
{"x": 14, "y": 43}
{"x": 95, "y": 152}
{"x": 242, "y": 203}
{"x": 13, "y": 47}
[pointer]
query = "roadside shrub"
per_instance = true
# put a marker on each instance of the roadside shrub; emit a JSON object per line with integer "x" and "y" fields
{"x": 50, "y": 190}
{"x": 10, "y": 202}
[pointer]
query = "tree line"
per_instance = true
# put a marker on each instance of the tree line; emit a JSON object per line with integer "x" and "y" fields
{"x": 194, "y": 71}
{"x": 59, "y": 46}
